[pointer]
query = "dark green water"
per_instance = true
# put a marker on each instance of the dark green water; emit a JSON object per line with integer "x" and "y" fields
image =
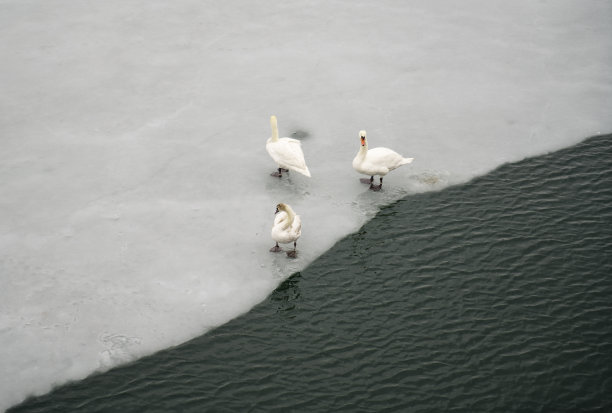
{"x": 491, "y": 296}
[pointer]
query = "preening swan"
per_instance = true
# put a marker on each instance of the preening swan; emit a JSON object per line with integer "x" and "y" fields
{"x": 287, "y": 228}
{"x": 377, "y": 161}
{"x": 286, "y": 152}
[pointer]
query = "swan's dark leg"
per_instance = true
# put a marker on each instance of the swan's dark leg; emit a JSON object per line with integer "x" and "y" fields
{"x": 292, "y": 254}
{"x": 278, "y": 173}
{"x": 376, "y": 187}
{"x": 276, "y": 248}
{"x": 367, "y": 181}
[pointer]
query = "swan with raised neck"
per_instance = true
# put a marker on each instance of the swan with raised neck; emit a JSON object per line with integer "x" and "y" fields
{"x": 377, "y": 161}
{"x": 286, "y": 152}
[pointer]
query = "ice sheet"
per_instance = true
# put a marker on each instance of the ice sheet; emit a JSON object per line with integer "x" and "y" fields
{"x": 135, "y": 196}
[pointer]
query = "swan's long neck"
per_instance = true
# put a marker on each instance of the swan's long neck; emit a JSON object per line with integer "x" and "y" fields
{"x": 274, "y": 126}
{"x": 290, "y": 215}
{"x": 363, "y": 150}
{"x": 285, "y": 221}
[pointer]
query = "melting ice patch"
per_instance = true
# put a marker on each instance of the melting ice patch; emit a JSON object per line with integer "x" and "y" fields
{"x": 135, "y": 195}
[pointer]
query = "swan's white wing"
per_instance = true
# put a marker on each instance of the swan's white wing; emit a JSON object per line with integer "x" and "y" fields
{"x": 296, "y": 228}
{"x": 385, "y": 159}
{"x": 287, "y": 152}
{"x": 272, "y": 150}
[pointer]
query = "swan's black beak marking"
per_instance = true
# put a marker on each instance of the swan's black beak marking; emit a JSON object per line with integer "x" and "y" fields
{"x": 276, "y": 212}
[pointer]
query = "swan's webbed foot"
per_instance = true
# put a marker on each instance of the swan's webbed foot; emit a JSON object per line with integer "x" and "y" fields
{"x": 276, "y": 248}
{"x": 292, "y": 254}
{"x": 376, "y": 187}
{"x": 366, "y": 180}
{"x": 279, "y": 173}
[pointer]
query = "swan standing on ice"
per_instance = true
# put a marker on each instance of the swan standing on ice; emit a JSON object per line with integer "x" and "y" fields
{"x": 286, "y": 152}
{"x": 377, "y": 161}
{"x": 287, "y": 228}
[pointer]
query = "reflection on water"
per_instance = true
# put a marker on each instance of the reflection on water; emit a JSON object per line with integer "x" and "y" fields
{"x": 286, "y": 296}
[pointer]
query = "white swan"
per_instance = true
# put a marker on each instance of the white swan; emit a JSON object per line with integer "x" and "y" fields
{"x": 286, "y": 152}
{"x": 287, "y": 228}
{"x": 377, "y": 161}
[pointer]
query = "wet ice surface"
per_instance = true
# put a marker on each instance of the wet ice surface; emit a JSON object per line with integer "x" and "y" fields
{"x": 135, "y": 196}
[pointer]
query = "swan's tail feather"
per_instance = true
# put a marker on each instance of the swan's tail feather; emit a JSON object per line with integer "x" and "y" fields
{"x": 406, "y": 161}
{"x": 303, "y": 171}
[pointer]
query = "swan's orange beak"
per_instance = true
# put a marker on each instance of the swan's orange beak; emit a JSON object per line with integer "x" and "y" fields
{"x": 362, "y": 141}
